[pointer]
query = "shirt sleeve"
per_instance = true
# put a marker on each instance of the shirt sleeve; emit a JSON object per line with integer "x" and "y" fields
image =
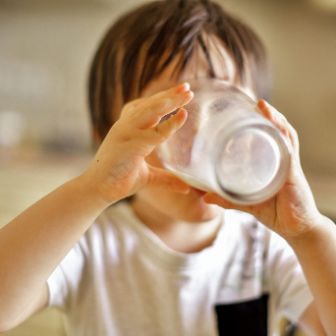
{"x": 65, "y": 279}
{"x": 286, "y": 279}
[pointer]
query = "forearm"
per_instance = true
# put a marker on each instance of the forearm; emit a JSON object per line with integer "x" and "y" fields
{"x": 33, "y": 244}
{"x": 316, "y": 252}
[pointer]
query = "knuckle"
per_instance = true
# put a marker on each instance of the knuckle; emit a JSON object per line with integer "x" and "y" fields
{"x": 129, "y": 106}
{"x": 158, "y": 106}
{"x": 160, "y": 133}
{"x": 166, "y": 103}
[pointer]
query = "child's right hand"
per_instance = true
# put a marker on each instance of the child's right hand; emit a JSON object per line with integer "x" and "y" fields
{"x": 119, "y": 168}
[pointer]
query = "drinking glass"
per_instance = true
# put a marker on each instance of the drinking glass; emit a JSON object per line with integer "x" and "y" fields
{"x": 226, "y": 146}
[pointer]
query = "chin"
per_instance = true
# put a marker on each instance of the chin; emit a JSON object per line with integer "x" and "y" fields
{"x": 187, "y": 207}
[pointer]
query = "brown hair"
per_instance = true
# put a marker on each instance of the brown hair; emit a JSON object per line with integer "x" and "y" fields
{"x": 141, "y": 44}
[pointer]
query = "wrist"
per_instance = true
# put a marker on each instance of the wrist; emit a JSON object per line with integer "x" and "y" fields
{"x": 316, "y": 230}
{"x": 87, "y": 188}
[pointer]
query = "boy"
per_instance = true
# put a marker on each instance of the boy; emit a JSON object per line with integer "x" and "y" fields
{"x": 167, "y": 262}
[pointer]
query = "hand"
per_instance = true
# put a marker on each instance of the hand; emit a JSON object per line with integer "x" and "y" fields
{"x": 293, "y": 210}
{"x": 119, "y": 168}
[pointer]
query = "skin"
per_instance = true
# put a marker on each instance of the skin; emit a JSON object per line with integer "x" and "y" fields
{"x": 125, "y": 164}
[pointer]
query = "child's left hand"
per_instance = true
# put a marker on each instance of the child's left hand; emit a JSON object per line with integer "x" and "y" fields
{"x": 292, "y": 211}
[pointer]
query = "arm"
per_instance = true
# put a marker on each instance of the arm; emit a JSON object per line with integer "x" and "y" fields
{"x": 33, "y": 244}
{"x": 316, "y": 251}
{"x": 293, "y": 214}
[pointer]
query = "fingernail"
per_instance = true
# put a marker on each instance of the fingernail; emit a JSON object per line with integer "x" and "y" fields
{"x": 185, "y": 87}
{"x": 262, "y": 103}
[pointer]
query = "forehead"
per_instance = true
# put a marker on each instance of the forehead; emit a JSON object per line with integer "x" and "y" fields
{"x": 198, "y": 67}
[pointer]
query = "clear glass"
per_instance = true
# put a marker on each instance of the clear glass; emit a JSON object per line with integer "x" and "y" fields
{"x": 226, "y": 146}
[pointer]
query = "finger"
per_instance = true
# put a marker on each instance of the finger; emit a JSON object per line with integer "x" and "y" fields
{"x": 143, "y": 102}
{"x": 161, "y": 178}
{"x": 143, "y": 142}
{"x": 280, "y": 121}
{"x": 152, "y": 109}
{"x": 155, "y": 136}
{"x": 169, "y": 126}
{"x": 212, "y": 198}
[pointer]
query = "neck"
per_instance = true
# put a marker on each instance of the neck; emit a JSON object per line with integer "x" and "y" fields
{"x": 179, "y": 235}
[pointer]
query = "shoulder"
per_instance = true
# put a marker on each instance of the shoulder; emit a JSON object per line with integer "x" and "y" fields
{"x": 112, "y": 231}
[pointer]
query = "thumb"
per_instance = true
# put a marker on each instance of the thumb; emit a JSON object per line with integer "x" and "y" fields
{"x": 159, "y": 177}
{"x": 212, "y": 198}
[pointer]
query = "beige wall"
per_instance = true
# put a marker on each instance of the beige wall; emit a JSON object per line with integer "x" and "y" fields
{"x": 46, "y": 48}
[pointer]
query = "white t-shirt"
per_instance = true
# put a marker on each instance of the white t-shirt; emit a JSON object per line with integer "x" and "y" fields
{"x": 121, "y": 279}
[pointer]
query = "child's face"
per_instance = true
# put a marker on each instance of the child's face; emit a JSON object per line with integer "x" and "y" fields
{"x": 190, "y": 207}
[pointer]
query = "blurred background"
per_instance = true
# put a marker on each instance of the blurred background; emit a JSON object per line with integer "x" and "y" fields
{"x": 46, "y": 48}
